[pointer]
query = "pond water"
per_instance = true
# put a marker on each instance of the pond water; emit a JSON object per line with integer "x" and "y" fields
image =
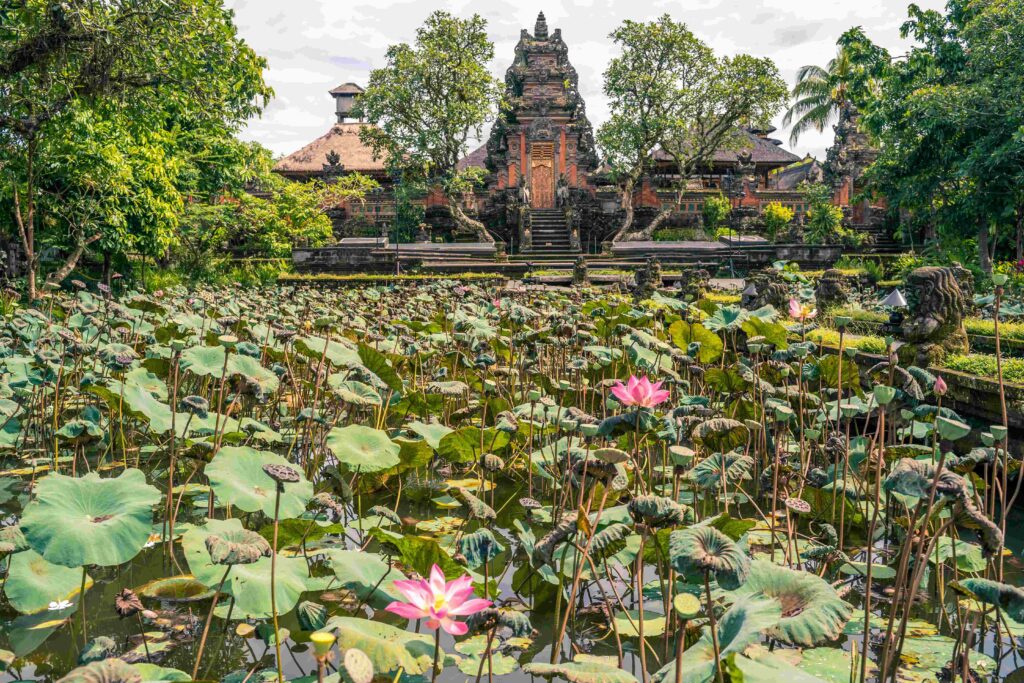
{"x": 687, "y": 480}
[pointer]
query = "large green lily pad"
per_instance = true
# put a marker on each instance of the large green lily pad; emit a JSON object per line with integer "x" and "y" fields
{"x": 90, "y": 520}
{"x": 237, "y": 476}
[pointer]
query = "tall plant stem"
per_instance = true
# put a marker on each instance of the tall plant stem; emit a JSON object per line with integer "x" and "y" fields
{"x": 273, "y": 584}
{"x": 206, "y": 626}
{"x": 714, "y": 627}
{"x": 437, "y": 652}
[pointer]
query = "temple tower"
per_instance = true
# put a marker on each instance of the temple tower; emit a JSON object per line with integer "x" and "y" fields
{"x": 544, "y": 139}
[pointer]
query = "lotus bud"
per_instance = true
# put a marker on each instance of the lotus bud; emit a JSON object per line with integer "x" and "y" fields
{"x": 940, "y": 387}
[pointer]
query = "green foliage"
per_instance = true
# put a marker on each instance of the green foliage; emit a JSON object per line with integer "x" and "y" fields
{"x": 824, "y": 219}
{"x": 113, "y": 114}
{"x": 948, "y": 121}
{"x": 676, "y": 235}
{"x": 775, "y": 217}
{"x": 716, "y": 210}
{"x": 850, "y": 78}
{"x": 429, "y": 99}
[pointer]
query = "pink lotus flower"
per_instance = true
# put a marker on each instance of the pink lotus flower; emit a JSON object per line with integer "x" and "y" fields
{"x": 437, "y": 601}
{"x": 640, "y": 392}
{"x": 801, "y": 312}
{"x": 940, "y": 387}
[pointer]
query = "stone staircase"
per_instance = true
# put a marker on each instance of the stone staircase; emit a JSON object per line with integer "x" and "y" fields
{"x": 550, "y": 232}
{"x": 879, "y": 240}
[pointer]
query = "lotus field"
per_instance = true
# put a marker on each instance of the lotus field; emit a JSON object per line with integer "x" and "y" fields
{"x": 459, "y": 483}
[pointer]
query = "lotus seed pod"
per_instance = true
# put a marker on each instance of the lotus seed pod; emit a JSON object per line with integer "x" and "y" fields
{"x": 322, "y": 641}
{"x": 356, "y": 667}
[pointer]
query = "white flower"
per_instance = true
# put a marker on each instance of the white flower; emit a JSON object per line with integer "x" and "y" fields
{"x": 58, "y": 605}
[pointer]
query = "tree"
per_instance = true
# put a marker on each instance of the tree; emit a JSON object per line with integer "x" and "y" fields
{"x": 642, "y": 85}
{"x": 428, "y": 100}
{"x": 949, "y": 121}
{"x": 821, "y": 94}
{"x": 168, "y": 78}
{"x": 708, "y": 112}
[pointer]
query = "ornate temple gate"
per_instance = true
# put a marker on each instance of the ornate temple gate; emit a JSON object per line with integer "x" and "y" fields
{"x": 542, "y": 175}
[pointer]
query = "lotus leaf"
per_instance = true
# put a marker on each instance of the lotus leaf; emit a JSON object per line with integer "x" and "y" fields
{"x": 389, "y": 649}
{"x": 363, "y": 449}
{"x": 89, "y": 520}
{"x": 33, "y": 583}
{"x": 721, "y": 434}
{"x": 812, "y": 611}
{"x": 237, "y": 477}
{"x": 366, "y": 575}
{"x": 479, "y": 547}
{"x": 696, "y": 550}
{"x": 581, "y": 671}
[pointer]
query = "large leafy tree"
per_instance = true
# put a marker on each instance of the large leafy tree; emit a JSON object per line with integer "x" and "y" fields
{"x": 642, "y": 85}
{"x": 428, "y": 100}
{"x": 822, "y": 93}
{"x": 708, "y": 109}
{"x": 950, "y": 124}
{"x": 111, "y": 113}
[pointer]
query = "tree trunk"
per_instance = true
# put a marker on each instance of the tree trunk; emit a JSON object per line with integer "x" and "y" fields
{"x": 1020, "y": 232}
{"x": 462, "y": 219}
{"x": 72, "y": 260}
{"x": 627, "y": 204}
{"x": 984, "y": 259}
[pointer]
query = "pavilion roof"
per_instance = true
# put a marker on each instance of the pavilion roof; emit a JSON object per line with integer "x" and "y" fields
{"x": 762, "y": 151}
{"x": 478, "y": 158}
{"x": 342, "y": 138}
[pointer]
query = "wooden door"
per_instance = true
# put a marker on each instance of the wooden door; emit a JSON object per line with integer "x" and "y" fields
{"x": 542, "y": 170}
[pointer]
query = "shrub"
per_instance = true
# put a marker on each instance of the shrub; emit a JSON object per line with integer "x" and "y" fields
{"x": 716, "y": 210}
{"x": 676, "y": 234}
{"x": 775, "y": 217}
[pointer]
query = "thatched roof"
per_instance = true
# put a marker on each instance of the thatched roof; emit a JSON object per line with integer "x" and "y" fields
{"x": 347, "y": 89}
{"x": 342, "y": 138}
{"x": 789, "y": 177}
{"x": 762, "y": 151}
{"x": 477, "y": 157}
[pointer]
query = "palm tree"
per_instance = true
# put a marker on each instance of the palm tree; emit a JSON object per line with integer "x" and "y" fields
{"x": 819, "y": 95}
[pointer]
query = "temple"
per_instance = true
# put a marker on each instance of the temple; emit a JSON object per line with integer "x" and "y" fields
{"x": 546, "y": 192}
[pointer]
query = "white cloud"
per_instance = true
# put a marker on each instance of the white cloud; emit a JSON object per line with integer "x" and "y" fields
{"x": 313, "y": 45}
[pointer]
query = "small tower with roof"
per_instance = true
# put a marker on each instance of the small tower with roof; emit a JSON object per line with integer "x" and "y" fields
{"x": 345, "y": 97}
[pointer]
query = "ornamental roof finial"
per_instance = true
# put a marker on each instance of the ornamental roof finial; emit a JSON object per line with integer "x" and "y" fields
{"x": 540, "y": 31}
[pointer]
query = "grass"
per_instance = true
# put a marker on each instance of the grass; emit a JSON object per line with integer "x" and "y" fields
{"x": 722, "y": 298}
{"x": 1007, "y": 330}
{"x": 865, "y": 343}
{"x": 984, "y": 365}
{"x": 861, "y": 315}
{"x": 291, "y": 278}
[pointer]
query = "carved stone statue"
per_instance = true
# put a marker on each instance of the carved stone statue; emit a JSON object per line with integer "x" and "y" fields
{"x": 831, "y": 292}
{"x": 580, "y": 276}
{"x": 693, "y": 284}
{"x": 965, "y": 279}
{"x": 647, "y": 279}
{"x": 562, "y": 191}
{"x": 423, "y": 233}
{"x": 524, "y": 194}
{"x": 934, "y": 325}
{"x": 768, "y": 289}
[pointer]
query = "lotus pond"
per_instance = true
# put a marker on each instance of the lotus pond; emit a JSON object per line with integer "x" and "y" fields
{"x": 454, "y": 482}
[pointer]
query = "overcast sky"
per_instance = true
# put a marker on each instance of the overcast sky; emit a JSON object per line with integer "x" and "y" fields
{"x": 314, "y": 45}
